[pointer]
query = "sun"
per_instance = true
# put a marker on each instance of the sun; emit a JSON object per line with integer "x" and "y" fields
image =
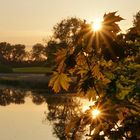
{"x": 95, "y": 113}
{"x": 97, "y": 25}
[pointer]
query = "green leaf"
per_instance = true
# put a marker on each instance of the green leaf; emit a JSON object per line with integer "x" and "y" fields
{"x": 124, "y": 92}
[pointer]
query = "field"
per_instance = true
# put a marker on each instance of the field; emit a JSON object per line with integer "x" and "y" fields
{"x": 32, "y": 70}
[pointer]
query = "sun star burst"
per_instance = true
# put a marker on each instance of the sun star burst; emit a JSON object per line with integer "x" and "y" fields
{"x": 96, "y": 25}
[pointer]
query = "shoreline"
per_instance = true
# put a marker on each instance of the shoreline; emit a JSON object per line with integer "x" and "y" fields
{"x": 33, "y": 81}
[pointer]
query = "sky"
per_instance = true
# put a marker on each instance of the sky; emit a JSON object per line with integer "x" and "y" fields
{"x": 31, "y": 21}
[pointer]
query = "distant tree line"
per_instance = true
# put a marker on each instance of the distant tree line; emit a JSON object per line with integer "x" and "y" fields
{"x": 18, "y": 55}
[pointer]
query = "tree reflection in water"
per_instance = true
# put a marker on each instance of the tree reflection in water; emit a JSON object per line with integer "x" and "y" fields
{"x": 37, "y": 99}
{"x": 17, "y": 96}
{"x": 8, "y": 96}
{"x": 61, "y": 109}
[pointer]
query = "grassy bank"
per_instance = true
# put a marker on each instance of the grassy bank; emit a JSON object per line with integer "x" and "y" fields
{"x": 32, "y": 70}
{"x": 26, "y": 77}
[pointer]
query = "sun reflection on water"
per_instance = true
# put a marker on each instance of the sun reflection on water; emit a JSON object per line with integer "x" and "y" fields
{"x": 86, "y": 105}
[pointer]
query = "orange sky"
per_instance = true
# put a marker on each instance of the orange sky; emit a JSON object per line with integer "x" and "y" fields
{"x": 30, "y": 21}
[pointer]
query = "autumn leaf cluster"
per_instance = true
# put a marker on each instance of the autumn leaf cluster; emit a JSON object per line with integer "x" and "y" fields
{"x": 99, "y": 67}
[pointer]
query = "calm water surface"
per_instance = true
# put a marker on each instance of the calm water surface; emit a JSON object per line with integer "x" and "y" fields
{"x": 27, "y": 115}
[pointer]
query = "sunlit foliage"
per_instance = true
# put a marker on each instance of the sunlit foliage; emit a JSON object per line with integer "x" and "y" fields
{"x": 99, "y": 67}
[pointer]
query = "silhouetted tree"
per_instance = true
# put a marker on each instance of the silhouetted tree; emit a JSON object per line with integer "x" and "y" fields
{"x": 51, "y": 49}
{"x": 67, "y": 29}
{"x": 5, "y": 52}
{"x": 18, "y": 53}
{"x": 38, "y": 52}
{"x": 64, "y": 34}
{"x": 133, "y": 33}
{"x": 11, "y": 54}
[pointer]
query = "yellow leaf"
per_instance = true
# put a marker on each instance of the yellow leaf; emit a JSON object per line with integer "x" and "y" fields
{"x": 64, "y": 81}
{"x": 58, "y": 81}
{"x": 91, "y": 94}
{"x": 61, "y": 66}
{"x": 60, "y": 59}
{"x": 81, "y": 60}
{"x": 60, "y": 55}
{"x": 105, "y": 63}
{"x": 106, "y": 81}
{"x": 81, "y": 72}
{"x": 97, "y": 73}
{"x": 71, "y": 71}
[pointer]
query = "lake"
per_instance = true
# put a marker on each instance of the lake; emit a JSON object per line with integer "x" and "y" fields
{"x": 37, "y": 115}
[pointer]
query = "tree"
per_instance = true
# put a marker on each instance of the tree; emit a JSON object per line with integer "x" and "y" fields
{"x": 64, "y": 35}
{"x": 10, "y": 54}
{"x": 133, "y": 33}
{"x": 18, "y": 53}
{"x": 5, "y": 52}
{"x": 67, "y": 29}
{"x": 38, "y": 52}
{"x": 136, "y": 21}
{"x": 113, "y": 82}
{"x": 51, "y": 49}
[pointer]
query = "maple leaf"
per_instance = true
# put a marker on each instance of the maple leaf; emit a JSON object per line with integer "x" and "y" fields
{"x": 99, "y": 75}
{"x": 60, "y": 55}
{"x": 111, "y": 17}
{"x": 91, "y": 94}
{"x": 82, "y": 72}
{"x": 58, "y": 81}
{"x": 81, "y": 60}
{"x": 96, "y": 72}
{"x": 110, "y": 24}
{"x": 60, "y": 58}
